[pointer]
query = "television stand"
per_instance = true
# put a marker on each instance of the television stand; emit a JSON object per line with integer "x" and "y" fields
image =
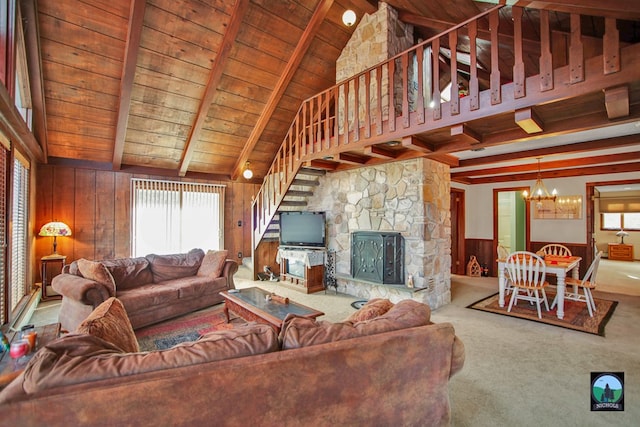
{"x": 303, "y": 268}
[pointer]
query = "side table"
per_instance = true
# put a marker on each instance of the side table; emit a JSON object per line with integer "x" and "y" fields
{"x": 9, "y": 369}
{"x": 51, "y": 266}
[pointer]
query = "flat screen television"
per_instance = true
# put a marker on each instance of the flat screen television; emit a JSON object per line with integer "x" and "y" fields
{"x": 302, "y": 229}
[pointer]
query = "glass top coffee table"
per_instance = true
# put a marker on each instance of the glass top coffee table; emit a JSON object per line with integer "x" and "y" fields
{"x": 252, "y": 305}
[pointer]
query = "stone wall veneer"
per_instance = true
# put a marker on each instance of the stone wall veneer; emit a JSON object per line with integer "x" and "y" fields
{"x": 410, "y": 197}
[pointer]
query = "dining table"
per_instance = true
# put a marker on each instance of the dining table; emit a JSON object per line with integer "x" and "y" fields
{"x": 560, "y": 266}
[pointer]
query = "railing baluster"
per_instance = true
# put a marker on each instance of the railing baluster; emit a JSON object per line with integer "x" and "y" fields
{"x": 404, "y": 72}
{"x": 356, "y": 109}
{"x": 546, "y": 61}
{"x": 435, "y": 54}
{"x": 611, "y": 47}
{"x": 474, "y": 96}
{"x": 496, "y": 91}
{"x": 367, "y": 105}
{"x": 379, "y": 100}
{"x": 454, "y": 97}
{"x": 392, "y": 103}
{"x": 519, "y": 89}
{"x": 419, "y": 106}
{"x": 576, "y": 53}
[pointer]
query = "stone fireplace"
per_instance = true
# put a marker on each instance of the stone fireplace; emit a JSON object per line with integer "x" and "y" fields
{"x": 409, "y": 198}
{"x": 377, "y": 257}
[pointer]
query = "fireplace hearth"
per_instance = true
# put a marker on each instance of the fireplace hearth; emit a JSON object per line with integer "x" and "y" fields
{"x": 377, "y": 257}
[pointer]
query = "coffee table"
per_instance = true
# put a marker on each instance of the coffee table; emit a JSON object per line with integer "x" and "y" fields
{"x": 252, "y": 305}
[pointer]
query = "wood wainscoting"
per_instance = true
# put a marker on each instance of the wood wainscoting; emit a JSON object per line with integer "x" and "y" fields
{"x": 96, "y": 204}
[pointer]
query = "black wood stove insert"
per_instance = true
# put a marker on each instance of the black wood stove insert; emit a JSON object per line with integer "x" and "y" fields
{"x": 377, "y": 257}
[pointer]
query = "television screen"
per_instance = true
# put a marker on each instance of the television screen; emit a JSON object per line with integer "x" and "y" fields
{"x": 302, "y": 229}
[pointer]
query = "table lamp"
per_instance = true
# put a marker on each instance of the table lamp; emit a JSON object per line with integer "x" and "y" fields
{"x": 55, "y": 229}
{"x": 622, "y": 234}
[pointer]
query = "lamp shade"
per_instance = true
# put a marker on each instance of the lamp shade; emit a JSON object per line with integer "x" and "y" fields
{"x": 54, "y": 229}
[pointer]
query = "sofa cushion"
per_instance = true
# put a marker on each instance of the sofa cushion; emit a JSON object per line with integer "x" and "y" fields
{"x": 175, "y": 266}
{"x": 129, "y": 272}
{"x": 302, "y": 332}
{"x": 212, "y": 264}
{"x": 79, "y": 358}
{"x": 96, "y": 271}
{"x": 110, "y": 322}
{"x": 373, "y": 308}
{"x": 196, "y": 286}
{"x": 148, "y": 296}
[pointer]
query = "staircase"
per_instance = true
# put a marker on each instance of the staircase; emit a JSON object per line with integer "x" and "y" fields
{"x": 296, "y": 198}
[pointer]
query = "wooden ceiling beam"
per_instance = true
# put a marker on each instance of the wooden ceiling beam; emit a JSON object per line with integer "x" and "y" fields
{"x": 215, "y": 76}
{"x": 380, "y": 152}
{"x": 561, "y": 173}
{"x": 29, "y": 11}
{"x": 134, "y": 35}
{"x": 622, "y": 9}
{"x": 465, "y": 134}
{"x": 285, "y": 78}
{"x": 352, "y": 159}
{"x": 413, "y": 143}
{"x": 582, "y": 147}
{"x": 556, "y": 164}
{"x": 616, "y": 101}
{"x": 528, "y": 120}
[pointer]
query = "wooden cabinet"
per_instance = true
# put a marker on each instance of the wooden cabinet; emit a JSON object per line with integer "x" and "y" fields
{"x": 620, "y": 252}
{"x": 294, "y": 268}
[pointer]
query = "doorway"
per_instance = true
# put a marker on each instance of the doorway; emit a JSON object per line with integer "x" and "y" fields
{"x": 510, "y": 220}
{"x": 457, "y": 231}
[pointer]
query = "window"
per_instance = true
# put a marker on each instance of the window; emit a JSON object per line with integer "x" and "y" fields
{"x": 19, "y": 223}
{"x": 618, "y": 221}
{"x": 174, "y": 217}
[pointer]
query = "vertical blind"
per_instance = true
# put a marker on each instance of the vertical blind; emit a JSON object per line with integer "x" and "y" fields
{"x": 20, "y": 218}
{"x": 3, "y": 234}
{"x": 174, "y": 217}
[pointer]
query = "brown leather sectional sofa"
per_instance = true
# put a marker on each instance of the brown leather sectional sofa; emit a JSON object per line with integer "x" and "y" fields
{"x": 152, "y": 288}
{"x": 393, "y": 369}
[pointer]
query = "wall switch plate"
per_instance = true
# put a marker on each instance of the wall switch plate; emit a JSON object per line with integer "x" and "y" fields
{"x": 239, "y": 254}
{"x": 239, "y": 223}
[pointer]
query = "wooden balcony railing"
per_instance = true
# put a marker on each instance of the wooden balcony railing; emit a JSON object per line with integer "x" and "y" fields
{"x": 404, "y": 95}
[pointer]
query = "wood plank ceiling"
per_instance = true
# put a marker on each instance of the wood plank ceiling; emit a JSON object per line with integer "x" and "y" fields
{"x": 200, "y": 87}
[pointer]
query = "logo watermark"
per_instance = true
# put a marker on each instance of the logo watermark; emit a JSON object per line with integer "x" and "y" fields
{"x": 607, "y": 391}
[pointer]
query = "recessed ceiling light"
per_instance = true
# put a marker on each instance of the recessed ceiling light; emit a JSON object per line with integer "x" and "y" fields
{"x": 478, "y": 149}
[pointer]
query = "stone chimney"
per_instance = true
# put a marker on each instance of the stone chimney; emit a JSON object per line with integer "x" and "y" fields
{"x": 378, "y": 37}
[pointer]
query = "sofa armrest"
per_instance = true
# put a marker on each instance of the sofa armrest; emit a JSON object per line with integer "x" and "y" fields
{"x": 80, "y": 289}
{"x": 228, "y": 270}
{"x": 457, "y": 356}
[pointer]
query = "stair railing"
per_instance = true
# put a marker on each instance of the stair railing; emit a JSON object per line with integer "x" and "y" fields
{"x": 404, "y": 96}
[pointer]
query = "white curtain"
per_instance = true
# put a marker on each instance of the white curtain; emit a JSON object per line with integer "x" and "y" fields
{"x": 174, "y": 217}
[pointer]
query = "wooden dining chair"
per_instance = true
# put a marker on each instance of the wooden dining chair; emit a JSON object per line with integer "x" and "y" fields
{"x": 586, "y": 285}
{"x": 527, "y": 271}
{"x": 503, "y": 253}
{"x": 554, "y": 249}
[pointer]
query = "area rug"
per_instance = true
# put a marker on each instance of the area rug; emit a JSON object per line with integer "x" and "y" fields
{"x": 185, "y": 328}
{"x": 576, "y": 314}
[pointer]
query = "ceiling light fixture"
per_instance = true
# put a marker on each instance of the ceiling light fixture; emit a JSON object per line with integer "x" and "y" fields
{"x": 349, "y": 17}
{"x": 539, "y": 192}
{"x": 247, "y": 173}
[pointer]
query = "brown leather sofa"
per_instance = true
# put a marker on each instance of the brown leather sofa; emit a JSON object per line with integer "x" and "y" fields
{"x": 152, "y": 288}
{"x": 381, "y": 371}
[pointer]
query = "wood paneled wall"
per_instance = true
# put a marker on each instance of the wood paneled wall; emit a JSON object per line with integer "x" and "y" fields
{"x": 96, "y": 204}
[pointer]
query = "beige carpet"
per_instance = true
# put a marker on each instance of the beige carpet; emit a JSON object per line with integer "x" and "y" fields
{"x": 518, "y": 373}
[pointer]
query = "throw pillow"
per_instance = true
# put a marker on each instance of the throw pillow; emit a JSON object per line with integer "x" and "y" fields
{"x": 129, "y": 273}
{"x": 175, "y": 266}
{"x": 97, "y": 272}
{"x": 212, "y": 264}
{"x": 374, "y": 308}
{"x": 110, "y": 322}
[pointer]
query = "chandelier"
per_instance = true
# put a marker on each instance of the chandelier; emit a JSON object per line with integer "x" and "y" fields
{"x": 539, "y": 192}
